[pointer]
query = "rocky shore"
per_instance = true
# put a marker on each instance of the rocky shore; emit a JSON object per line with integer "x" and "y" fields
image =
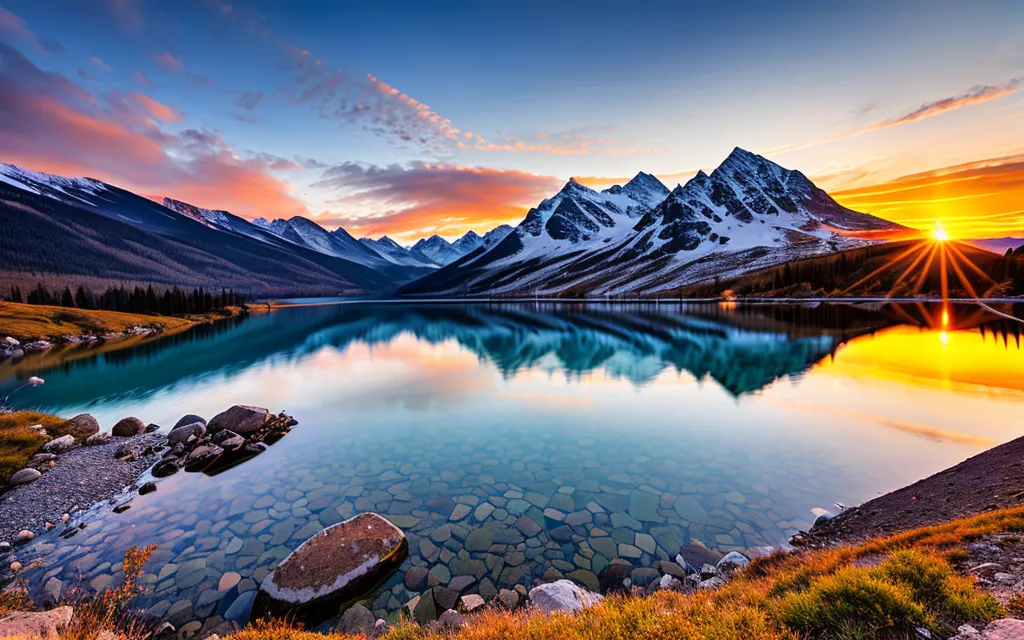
{"x": 11, "y": 348}
{"x": 245, "y": 569}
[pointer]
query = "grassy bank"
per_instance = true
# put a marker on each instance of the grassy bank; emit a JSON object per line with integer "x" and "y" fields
{"x": 18, "y": 442}
{"x": 36, "y": 322}
{"x": 883, "y": 589}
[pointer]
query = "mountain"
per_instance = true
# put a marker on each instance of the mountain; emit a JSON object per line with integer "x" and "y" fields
{"x": 438, "y": 251}
{"x": 306, "y": 233}
{"x": 748, "y": 213}
{"x": 83, "y": 231}
{"x": 396, "y": 253}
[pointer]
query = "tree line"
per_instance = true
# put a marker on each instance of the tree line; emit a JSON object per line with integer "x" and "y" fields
{"x": 172, "y": 301}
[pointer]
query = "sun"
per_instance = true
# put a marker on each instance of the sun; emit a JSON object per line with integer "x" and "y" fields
{"x": 939, "y": 234}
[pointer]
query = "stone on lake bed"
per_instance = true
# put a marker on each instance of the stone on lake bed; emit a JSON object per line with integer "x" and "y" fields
{"x": 241, "y": 419}
{"x": 338, "y": 564}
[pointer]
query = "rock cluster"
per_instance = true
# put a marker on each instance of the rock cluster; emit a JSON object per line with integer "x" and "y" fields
{"x": 81, "y": 430}
{"x": 13, "y": 348}
{"x": 230, "y": 438}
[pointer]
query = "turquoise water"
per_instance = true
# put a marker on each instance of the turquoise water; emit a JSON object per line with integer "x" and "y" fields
{"x": 513, "y": 441}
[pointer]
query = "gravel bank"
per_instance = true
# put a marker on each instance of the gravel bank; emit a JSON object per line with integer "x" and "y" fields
{"x": 81, "y": 478}
{"x": 993, "y": 479}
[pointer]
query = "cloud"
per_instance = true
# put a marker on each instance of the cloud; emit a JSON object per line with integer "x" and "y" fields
{"x": 420, "y": 199}
{"x": 13, "y": 27}
{"x": 249, "y": 99}
{"x": 974, "y": 95}
{"x": 99, "y": 63}
{"x": 973, "y": 200}
{"x": 50, "y": 123}
{"x": 127, "y": 13}
{"x": 168, "y": 62}
{"x": 142, "y": 79}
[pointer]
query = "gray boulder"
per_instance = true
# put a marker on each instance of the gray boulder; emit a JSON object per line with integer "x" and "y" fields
{"x": 562, "y": 595}
{"x": 58, "y": 445}
{"x": 97, "y": 439}
{"x": 183, "y": 433}
{"x": 35, "y": 624}
{"x": 732, "y": 561}
{"x": 241, "y": 419}
{"x": 24, "y": 476}
{"x": 190, "y": 418}
{"x": 356, "y": 619}
{"x": 128, "y": 427}
{"x": 337, "y": 564}
{"x": 81, "y": 426}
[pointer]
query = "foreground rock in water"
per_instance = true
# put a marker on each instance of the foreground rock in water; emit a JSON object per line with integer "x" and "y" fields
{"x": 241, "y": 419}
{"x": 336, "y": 565}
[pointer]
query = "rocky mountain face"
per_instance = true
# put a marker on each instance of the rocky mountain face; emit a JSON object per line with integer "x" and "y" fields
{"x": 640, "y": 237}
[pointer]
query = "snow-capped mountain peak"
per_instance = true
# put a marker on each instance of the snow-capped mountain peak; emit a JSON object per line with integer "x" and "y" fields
{"x": 51, "y": 185}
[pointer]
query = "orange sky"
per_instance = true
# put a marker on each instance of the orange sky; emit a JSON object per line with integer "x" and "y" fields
{"x": 973, "y": 200}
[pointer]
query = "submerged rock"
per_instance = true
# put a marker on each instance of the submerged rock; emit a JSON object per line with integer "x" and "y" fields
{"x": 337, "y": 564}
{"x": 562, "y": 596}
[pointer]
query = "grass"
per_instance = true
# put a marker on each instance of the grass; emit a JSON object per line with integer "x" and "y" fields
{"x": 34, "y": 322}
{"x": 18, "y": 442}
{"x": 880, "y": 590}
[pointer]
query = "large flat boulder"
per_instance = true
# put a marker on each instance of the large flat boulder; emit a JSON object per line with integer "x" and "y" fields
{"x": 335, "y": 566}
{"x": 241, "y": 419}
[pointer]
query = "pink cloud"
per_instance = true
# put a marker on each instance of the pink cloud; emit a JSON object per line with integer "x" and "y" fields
{"x": 49, "y": 123}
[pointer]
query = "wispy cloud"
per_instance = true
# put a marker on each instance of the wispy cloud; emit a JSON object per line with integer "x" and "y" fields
{"x": 975, "y": 95}
{"x": 168, "y": 62}
{"x": 13, "y": 27}
{"x": 419, "y": 199}
{"x": 127, "y": 13}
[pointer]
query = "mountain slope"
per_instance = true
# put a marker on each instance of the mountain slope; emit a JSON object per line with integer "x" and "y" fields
{"x": 79, "y": 230}
{"x": 748, "y": 213}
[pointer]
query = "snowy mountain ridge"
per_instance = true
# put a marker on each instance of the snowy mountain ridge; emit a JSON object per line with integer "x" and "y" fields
{"x": 748, "y": 213}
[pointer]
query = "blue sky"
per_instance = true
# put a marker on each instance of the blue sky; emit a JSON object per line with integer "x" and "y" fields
{"x": 289, "y": 108}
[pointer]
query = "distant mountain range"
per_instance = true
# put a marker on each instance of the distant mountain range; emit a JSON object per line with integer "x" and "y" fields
{"x": 642, "y": 238}
{"x": 639, "y": 237}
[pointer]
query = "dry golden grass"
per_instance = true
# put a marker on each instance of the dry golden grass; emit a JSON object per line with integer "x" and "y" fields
{"x": 33, "y": 322}
{"x": 18, "y": 442}
{"x": 883, "y": 589}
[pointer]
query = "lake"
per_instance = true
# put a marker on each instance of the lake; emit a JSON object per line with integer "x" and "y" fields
{"x": 515, "y": 440}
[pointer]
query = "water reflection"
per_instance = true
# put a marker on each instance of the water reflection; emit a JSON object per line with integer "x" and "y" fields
{"x": 650, "y": 425}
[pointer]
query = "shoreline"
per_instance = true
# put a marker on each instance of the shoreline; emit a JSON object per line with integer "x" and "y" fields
{"x": 21, "y": 334}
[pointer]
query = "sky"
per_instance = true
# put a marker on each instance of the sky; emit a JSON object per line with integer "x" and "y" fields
{"x": 411, "y": 118}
